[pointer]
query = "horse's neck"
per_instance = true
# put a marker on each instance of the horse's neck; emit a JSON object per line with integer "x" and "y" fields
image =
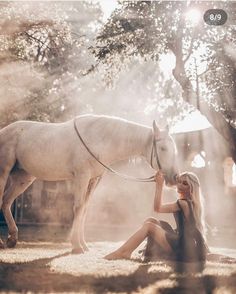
{"x": 121, "y": 140}
{"x": 128, "y": 141}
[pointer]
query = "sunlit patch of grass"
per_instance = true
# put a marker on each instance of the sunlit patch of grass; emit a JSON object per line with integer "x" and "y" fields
{"x": 162, "y": 284}
{"x": 219, "y": 269}
{"x": 93, "y": 263}
{"x": 159, "y": 267}
{"x": 223, "y": 290}
{"x": 28, "y": 252}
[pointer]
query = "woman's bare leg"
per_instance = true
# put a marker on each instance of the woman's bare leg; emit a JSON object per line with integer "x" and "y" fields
{"x": 148, "y": 228}
{"x": 152, "y": 220}
{"x": 132, "y": 243}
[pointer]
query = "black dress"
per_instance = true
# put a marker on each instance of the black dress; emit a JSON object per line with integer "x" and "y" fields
{"x": 186, "y": 240}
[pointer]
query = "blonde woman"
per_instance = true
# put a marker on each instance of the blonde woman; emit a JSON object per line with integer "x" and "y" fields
{"x": 187, "y": 241}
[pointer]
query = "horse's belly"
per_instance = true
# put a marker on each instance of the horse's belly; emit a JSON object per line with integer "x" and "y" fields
{"x": 46, "y": 163}
{"x": 48, "y": 171}
{"x": 46, "y": 151}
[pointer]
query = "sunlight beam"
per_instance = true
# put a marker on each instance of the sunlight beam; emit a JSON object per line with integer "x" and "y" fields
{"x": 194, "y": 121}
{"x": 193, "y": 16}
{"x": 198, "y": 161}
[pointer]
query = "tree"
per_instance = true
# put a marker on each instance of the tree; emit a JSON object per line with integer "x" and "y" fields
{"x": 203, "y": 68}
{"x": 39, "y": 43}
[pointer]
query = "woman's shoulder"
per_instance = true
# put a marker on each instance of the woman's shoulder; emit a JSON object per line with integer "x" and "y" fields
{"x": 185, "y": 206}
{"x": 183, "y": 202}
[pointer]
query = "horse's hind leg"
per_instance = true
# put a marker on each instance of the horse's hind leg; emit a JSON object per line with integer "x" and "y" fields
{"x": 20, "y": 181}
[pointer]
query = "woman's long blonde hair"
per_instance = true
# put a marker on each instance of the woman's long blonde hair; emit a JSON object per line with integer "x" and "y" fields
{"x": 197, "y": 200}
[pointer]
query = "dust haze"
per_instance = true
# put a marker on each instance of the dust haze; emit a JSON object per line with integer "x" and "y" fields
{"x": 55, "y": 91}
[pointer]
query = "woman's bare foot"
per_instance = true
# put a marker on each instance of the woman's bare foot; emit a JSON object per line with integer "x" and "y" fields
{"x": 117, "y": 255}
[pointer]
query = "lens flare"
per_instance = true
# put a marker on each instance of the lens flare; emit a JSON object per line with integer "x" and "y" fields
{"x": 193, "y": 16}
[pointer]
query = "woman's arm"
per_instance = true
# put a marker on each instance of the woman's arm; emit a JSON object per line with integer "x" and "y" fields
{"x": 158, "y": 206}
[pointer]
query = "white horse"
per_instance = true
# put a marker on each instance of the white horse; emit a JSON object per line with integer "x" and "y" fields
{"x": 71, "y": 151}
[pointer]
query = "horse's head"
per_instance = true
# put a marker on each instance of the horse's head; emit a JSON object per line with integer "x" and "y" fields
{"x": 164, "y": 154}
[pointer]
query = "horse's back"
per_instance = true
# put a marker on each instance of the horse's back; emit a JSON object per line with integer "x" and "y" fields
{"x": 21, "y": 131}
{"x": 44, "y": 150}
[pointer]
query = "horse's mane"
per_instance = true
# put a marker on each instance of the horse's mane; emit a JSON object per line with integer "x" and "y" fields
{"x": 119, "y": 130}
{"x": 116, "y": 125}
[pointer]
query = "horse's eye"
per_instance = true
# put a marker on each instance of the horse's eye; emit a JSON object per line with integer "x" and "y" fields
{"x": 163, "y": 148}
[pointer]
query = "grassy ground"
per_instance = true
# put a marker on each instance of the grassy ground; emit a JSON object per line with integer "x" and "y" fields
{"x": 49, "y": 267}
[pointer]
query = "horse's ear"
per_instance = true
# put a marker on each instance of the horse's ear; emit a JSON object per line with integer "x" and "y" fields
{"x": 156, "y": 130}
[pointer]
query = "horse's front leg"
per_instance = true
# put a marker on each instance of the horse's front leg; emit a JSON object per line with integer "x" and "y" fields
{"x": 7, "y": 163}
{"x": 91, "y": 187}
{"x": 80, "y": 191}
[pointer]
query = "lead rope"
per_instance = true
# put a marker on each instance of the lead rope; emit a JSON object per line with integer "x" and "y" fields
{"x": 126, "y": 177}
{"x": 157, "y": 158}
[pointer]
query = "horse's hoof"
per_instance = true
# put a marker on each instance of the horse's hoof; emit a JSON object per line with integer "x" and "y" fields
{"x": 2, "y": 245}
{"x": 85, "y": 248}
{"x": 78, "y": 250}
{"x": 11, "y": 242}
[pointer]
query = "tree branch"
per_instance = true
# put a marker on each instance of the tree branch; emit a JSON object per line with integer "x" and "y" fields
{"x": 190, "y": 96}
{"x": 190, "y": 51}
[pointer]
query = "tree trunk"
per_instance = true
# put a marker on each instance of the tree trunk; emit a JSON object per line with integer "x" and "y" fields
{"x": 189, "y": 95}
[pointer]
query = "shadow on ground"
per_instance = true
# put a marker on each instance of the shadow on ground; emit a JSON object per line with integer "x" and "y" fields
{"x": 49, "y": 267}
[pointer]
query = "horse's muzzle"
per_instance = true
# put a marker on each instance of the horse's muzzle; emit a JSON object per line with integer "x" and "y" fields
{"x": 172, "y": 180}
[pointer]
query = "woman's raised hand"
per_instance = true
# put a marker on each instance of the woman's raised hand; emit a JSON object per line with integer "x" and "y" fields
{"x": 159, "y": 179}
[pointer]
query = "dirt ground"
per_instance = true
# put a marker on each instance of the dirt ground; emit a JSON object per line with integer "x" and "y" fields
{"x": 49, "y": 267}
